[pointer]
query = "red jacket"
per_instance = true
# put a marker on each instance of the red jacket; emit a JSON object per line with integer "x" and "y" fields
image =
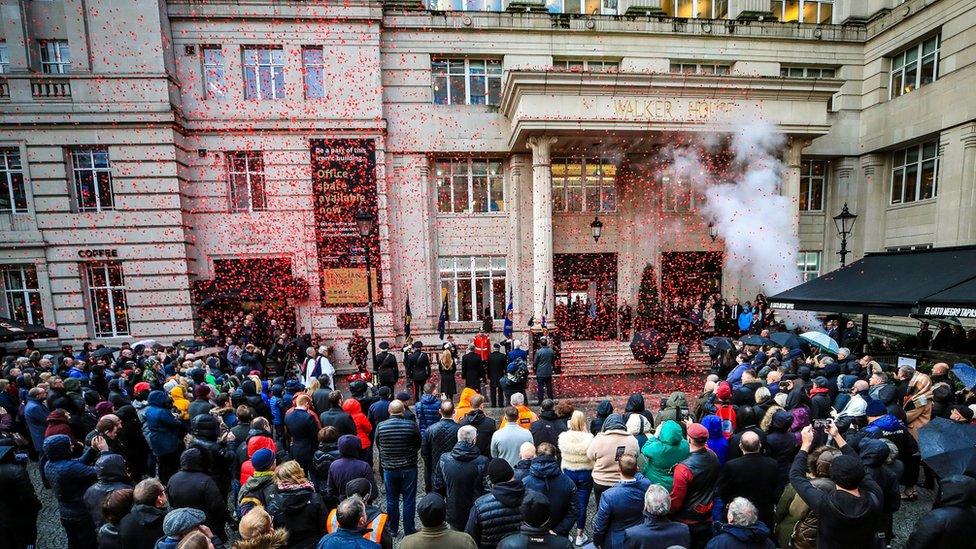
{"x": 482, "y": 346}
{"x": 363, "y": 427}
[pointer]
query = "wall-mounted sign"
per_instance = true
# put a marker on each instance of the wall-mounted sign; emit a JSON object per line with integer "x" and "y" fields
{"x": 343, "y": 184}
{"x": 98, "y": 254}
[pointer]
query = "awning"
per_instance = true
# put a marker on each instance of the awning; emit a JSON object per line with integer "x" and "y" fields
{"x": 887, "y": 283}
{"x": 11, "y": 330}
{"x": 958, "y": 301}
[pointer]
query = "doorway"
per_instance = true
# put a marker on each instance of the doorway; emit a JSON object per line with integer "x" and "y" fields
{"x": 586, "y": 295}
{"x": 688, "y": 277}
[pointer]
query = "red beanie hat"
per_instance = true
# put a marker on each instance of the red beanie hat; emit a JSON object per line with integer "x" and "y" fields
{"x": 724, "y": 391}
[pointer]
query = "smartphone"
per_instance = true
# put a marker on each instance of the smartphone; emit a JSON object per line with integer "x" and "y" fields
{"x": 620, "y": 452}
{"x": 822, "y": 424}
{"x": 684, "y": 414}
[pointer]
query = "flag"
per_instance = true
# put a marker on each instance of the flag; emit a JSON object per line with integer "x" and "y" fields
{"x": 407, "y": 319}
{"x": 442, "y": 321}
{"x": 593, "y": 310}
{"x": 507, "y": 329}
{"x": 545, "y": 304}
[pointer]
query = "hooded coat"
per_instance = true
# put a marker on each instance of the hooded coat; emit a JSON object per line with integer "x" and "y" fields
{"x": 142, "y": 526}
{"x": 952, "y": 521}
{"x": 663, "y": 451}
{"x": 547, "y": 478}
{"x": 619, "y": 508}
{"x": 192, "y": 487}
{"x": 781, "y": 445}
{"x": 162, "y": 428}
{"x": 363, "y": 427}
{"x": 111, "y": 477}
{"x": 547, "y": 428}
{"x": 348, "y": 467}
{"x": 484, "y": 425}
{"x": 603, "y": 450}
{"x": 460, "y": 477}
{"x": 635, "y": 405}
{"x": 603, "y": 411}
{"x": 178, "y": 394}
{"x": 716, "y": 438}
{"x": 731, "y": 536}
{"x": 496, "y": 514}
{"x": 19, "y": 506}
{"x": 428, "y": 410}
{"x": 673, "y": 407}
{"x": 69, "y": 478}
{"x": 301, "y": 512}
{"x": 341, "y": 420}
{"x": 303, "y": 430}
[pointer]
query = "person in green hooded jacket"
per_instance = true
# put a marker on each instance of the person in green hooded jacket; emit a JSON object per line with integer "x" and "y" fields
{"x": 663, "y": 450}
{"x": 673, "y": 408}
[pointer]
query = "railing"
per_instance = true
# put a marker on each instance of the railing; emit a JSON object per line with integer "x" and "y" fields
{"x": 49, "y": 88}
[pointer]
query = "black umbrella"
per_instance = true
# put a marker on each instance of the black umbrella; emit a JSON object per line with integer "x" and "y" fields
{"x": 720, "y": 343}
{"x": 102, "y": 351}
{"x": 11, "y": 330}
{"x": 786, "y": 339}
{"x": 190, "y": 344}
{"x": 649, "y": 346}
{"x": 949, "y": 448}
{"x": 753, "y": 339}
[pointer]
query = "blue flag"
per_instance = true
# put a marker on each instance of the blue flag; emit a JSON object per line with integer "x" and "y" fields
{"x": 442, "y": 320}
{"x": 507, "y": 329}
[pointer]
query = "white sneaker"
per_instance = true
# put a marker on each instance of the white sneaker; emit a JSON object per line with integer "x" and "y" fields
{"x": 580, "y": 540}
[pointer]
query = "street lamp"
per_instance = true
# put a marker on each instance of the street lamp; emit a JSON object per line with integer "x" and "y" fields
{"x": 596, "y": 228}
{"x": 712, "y": 231}
{"x": 844, "y": 221}
{"x": 364, "y": 225}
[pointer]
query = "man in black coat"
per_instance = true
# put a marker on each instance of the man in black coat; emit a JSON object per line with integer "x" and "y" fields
{"x": 336, "y": 417}
{"x": 497, "y": 514}
{"x": 548, "y": 479}
{"x": 320, "y": 396}
{"x": 657, "y": 530}
{"x": 820, "y": 401}
{"x": 549, "y": 426}
{"x": 193, "y": 487}
{"x": 418, "y": 369}
{"x": 459, "y": 476}
{"x": 497, "y": 362}
{"x": 536, "y": 526}
{"x": 437, "y": 440}
{"x": 485, "y": 425}
{"x": 398, "y": 442}
{"x": 19, "y": 506}
{"x": 387, "y": 371}
{"x": 752, "y": 476}
{"x": 472, "y": 370}
{"x": 144, "y": 523}
{"x": 952, "y": 520}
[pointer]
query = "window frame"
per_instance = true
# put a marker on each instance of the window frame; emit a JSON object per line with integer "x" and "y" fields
{"x": 904, "y": 165}
{"x": 800, "y": 9}
{"x": 703, "y": 68}
{"x": 900, "y": 66}
{"x": 90, "y": 152}
{"x": 92, "y": 290}
{"x": 493, "y": 72}
{"x": 7, "y": 183}
{"x": 447, "y": 180}
{"x": 670, "y": 204}
{"x": 803, "y": 264}
{"x": 586, "y": 65}
{"x": 249, "y": 157}
{"x": 4, "y": 57}
{"x": 24, "y": 291}
{"x": 808, "y": 176}
{"x": 561, "y": 184}
{"x": 277, "y": 69}
{"x": 61, "y": 52}
{"x": 807, "y": 72}
{"x": 307, "y": 69}
{"x": 213, "y": 89}
{"x": 497, "y": 270}
{"x": 718, "y": 8}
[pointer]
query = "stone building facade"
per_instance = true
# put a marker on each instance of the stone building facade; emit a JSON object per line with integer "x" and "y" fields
{"x": 159, "y": 155}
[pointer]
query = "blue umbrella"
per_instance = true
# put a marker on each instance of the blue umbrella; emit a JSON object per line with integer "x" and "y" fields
{"x": 753, "y": 339}
{"x": 965, "y": 373}
{"x": 786, "y": 339}
{"x": 821, "y": 341}
{"x": 949, "y": 448}
{"x": 720, "y": 343}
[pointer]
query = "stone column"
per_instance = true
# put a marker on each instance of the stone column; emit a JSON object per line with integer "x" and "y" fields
{"x": 542, "y": 288}
{"x": 967, "y": 188}
{"x": 839, "y": 191}
{"x": 791, "y": 178}
{"x": 21, "y": 46}
{"x": 874, "y": 192}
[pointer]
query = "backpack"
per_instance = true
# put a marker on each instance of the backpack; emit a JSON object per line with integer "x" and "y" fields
{"x": 518, "y": 371}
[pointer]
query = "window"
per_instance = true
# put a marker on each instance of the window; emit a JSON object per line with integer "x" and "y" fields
{"x": 700, "y": 68}
{"x": 803, "y": 11}
{"x": 214, "y": 85}
{"x": 465, "y": 5}
{"x": 584, "y": 185}
{"x": 809, "y": 265}
{"x": 467, "y": 81}
{"x": 472, "y": 185}
{"x": 13, "y": 192}
{"x": 245, "y": 178}
{"x": 55, "y": 57}
{"x": 914, "y": 172}
{"x": 22, "y": 295}
{"x": 475, "y": 286}
{"x": 813, "y": 181}
{"x": 585, "y": 65}
{"x": 679, "y": 195}
{"x": 696, "y": 9}
{"x": 590, "y": 7}
{"x": 4, "y": 58}
{"x": 264, "y": 73}
{"x": 92, "y": 175}
{"x": 106, "y": 295}
{"x": 807, "y": 72}
{"x": 915, "y": 66}
{"x": 313, "y": 65}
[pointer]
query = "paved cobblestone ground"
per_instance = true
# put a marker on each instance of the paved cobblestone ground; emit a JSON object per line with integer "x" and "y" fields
{"x": 51, "y": 534}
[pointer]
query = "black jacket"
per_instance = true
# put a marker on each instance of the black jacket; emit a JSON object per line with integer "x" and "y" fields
{"x": 496, "y": 514}
{"x": 418, "y": 367}
{"x": 845, "y": 520}
{"x": 497, "y": 362}
{"x": 193, "y": 487}
{"x": 438, "y": 440}
{"x": 398, "y": 440}
{"x": 300, "y": 511}
{"x": 657, "y": 532}
{"x": 485, "y": 426}
{"x": 303, "y": 430}
{"x": 952, "y": 521}
{"x": 547, "y": 428}
{"x": 320, "y": 399}
{"x": 754, "y": 477}
{"x": 19, "y": 506}
{"x": 547, "y": 478}
{"x": 199, "y": 407}
{"x": 111, "y": 477}
{"x": 459, "y": 476}
{"x": 530, "y": 537}
{"x": 342, "y": 421}
{"x": 387, "y": 371}
{"x": 218, "y": 458}
{"x": 472, "y": 370}
{"x": 781, "y": 445}
{"x": 322, "y": 460}
{"x": 141, "y": 527}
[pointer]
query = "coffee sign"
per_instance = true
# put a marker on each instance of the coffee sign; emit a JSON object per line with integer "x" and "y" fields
{"x": 110, "y": 253}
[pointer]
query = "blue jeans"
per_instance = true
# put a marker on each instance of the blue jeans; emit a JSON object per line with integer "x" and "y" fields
{"x": 401, "y": 483}
{"x": 583, "y": 479}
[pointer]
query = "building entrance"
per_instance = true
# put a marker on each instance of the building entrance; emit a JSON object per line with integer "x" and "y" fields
{"x": 586, "y": 295}
{"x": 687, "y": 277}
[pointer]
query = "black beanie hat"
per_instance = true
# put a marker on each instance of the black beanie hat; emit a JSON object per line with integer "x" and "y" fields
{"x": 432, "y": 510}
{"x": 846, "y": 471}
{"x": 499, "y": 470}
{"x": 535, "y": 509}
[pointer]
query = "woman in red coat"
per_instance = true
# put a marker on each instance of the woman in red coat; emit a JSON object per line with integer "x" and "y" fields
{"x": 363, "y": 427}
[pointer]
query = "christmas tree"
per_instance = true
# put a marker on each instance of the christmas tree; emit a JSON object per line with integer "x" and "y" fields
{"x": 648, "y": 303}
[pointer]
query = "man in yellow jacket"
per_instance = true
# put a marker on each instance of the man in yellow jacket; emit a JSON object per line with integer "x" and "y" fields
{"x": 526, "y": 416}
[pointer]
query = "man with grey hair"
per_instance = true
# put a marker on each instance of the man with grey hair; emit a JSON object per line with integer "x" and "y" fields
{"x": 744, "y": 529}
{"x": 351, "y": 516}
{"x": 657, "y": 530}
{"x": 459, "y": 476}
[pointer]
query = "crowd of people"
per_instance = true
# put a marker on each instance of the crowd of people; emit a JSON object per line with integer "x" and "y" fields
{"x": 153, "y": 446}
